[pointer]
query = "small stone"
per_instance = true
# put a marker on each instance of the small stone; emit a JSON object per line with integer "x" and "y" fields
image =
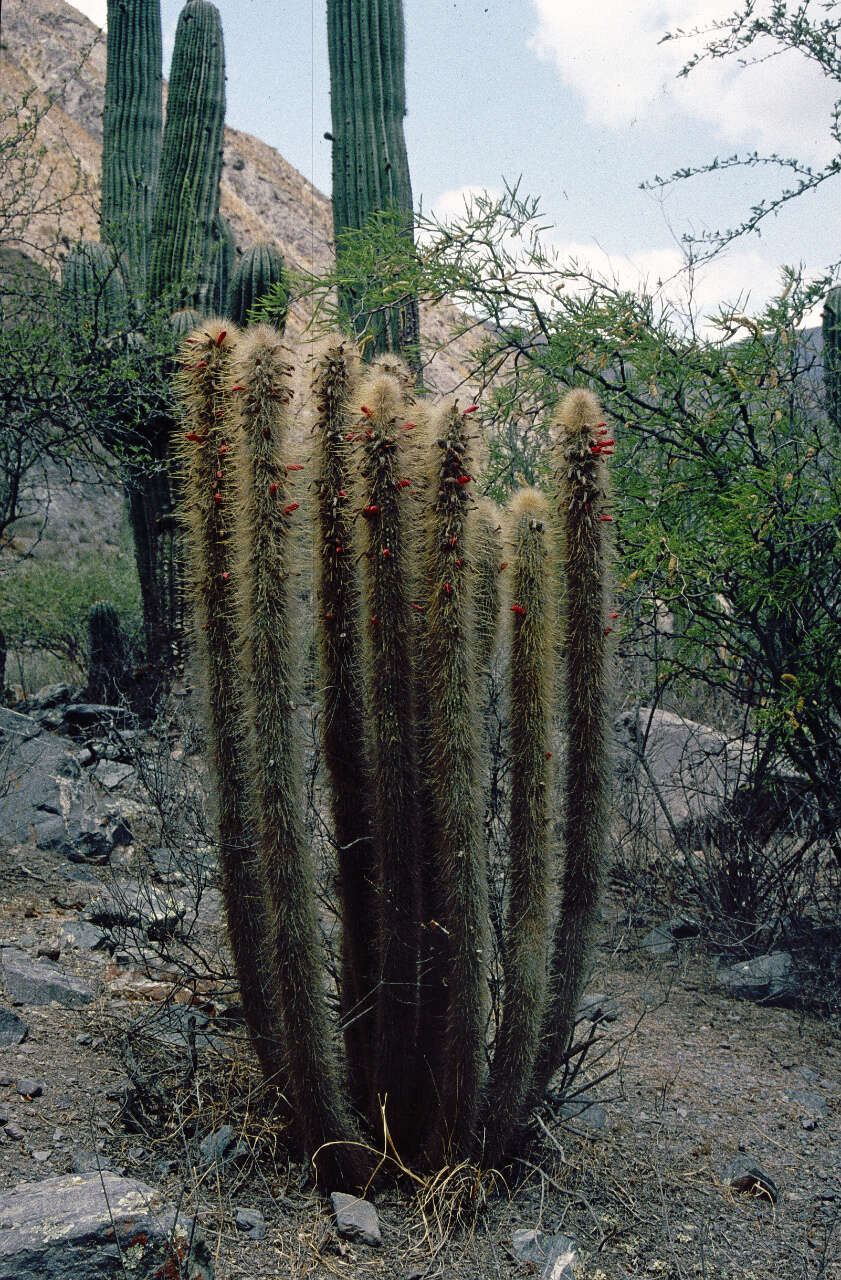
{"x": 744, "y": 1174}
{"x": 14, "y": 1132}
{"x": 223, "y": 1147}
{"x": 585, "y": 1111}
{"x": 84, "y": 1037}
{"x": 41, "y": 1156}
{"x": 111, "y": 775}
{"x": 13, "y": 1029}
{"x": 356, "y": 1219}
{"x": 29, "y": 1088}
{"x": 251, "y": 1223}
{"x": 39, "y": 982}
{"x": 4, "y": 1115}
{"x": 769, "y": 978}
{"x": 808, "y": 1123}
{"x": 556, "y": 1255}
{"x": 50, "y": 950}
{"x": 91, "y": 1162}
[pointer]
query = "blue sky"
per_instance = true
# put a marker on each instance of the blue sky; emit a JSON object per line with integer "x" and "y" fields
{"x": 581, "y": 101}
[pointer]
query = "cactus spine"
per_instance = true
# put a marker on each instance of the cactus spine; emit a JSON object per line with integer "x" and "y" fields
{"x": 366, "y": 45}
{"x": 259, "y": 268}
{"x": 131, "y": 132}
{"x": 831, "y": 325}
{"x": 204, "y": 448}
{"x": 185, "y": 234}
{"x": 405, "y": 646}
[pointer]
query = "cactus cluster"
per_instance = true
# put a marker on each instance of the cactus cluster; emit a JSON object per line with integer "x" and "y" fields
{"x": 366, "y": 46}
{"x": 411, "y": 571}
{"x": 260, "y": 269}
{"x": 93, "y": 291}
{"x": 108, "y": 654}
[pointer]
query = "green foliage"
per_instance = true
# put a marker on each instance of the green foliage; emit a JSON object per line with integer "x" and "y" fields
{"x": 832, "y": 354}
{"x": 366, "y": 44}
{"x": 46, "y": 602}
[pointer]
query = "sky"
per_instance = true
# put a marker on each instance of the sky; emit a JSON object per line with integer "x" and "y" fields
{"x": 582, "y": 104}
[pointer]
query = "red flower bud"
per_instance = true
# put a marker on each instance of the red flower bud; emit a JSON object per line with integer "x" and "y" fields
{"x": 375, "y": 622}
{"x": 613, "y": 615}
{"x": 607, "y": 519}
{"x": 403, "y": 484}
{"x": 471, "y": 408}
{"x": 519, "y": 610}
{"x": 273, "y": 488}
{"x": 504, "y": 565}
{"x": 548, "y": 755}
{"x": 342, "y": 493}
{"x": 386, "y": 553}
{"x": 454, "y": 541}
{"x": 222, "y": 336}
{"x": 223, "y": 448}
{"x": 464, "y": 479}
{"x": 409, "y": 426}
{"x": 293, "y": 506}
{"x": 217, "y": 497}
{"x": 608, "y": 630}
{"x": 191, "y": 435}
{"x": 225, "y": 576}
{"x": 448, "y": 590}
{"x": 294, "y": 466}
{"x": 418, "y": 608}
{"x": 218, "y": 475}
{"x": 238, "y": 387}
{"x": 364, "y": 408}
{"x": 370, "y": 510}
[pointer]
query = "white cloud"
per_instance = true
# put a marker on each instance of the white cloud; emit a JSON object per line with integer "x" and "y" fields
{"x": 96, "y": 10}
{"x": 610, "y": 55}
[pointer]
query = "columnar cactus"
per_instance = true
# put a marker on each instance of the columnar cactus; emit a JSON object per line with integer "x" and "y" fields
{"x": 107, "y": 654}
{"x": 408, "y": 571}
{"x": 185, "y": 237}
{"x": 131, "y": 132}
{"x": 832, "y": 353}
{"x": 259, "y": 268}
{"x": 93, "y": 291}
{"x": 366, "y": 44}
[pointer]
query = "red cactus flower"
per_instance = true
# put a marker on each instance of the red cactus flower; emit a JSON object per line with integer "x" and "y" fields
{"x": 403, "y": 484}
{"x": 519, "y": 610}
{"x": 217, "y": 497}
{"x": 364, "y": 409}
{"x": 606, "y": 519}
{"x": 471, "y": 408}
{"x": 370, "y": 510}
{"x": 293, "y": 506}
{"x": 342, "y": 493}
{"x": 273, "y": 488}
{"x": 225, "y": 576}
{"x": 222, "y": 336}
{"x": 294, "y": 466}
{"x": 386, "y": 553}
{"x": 191, "y": 435}
{"x": 464, "y": 479}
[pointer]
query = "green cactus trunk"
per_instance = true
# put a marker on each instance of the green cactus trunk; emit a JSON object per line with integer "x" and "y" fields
{"x": 366, "y": 44}
{"x": 108, "y": 656}
{"x": 93, "y": 292}
{"x": 185, "y": 231}
{"x": 131, "y": 133}
{"x": 204, "y": 448}
{"x": 225, "y": 256}
{"x": 831, "y": 325}
{"x": 260, "y": 269}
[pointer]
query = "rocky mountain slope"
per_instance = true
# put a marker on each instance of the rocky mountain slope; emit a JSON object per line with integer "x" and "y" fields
{"x": 48, "y": 47}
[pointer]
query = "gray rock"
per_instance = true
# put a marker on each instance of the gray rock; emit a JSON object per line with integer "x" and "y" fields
{"x": 223, "y": 1147}
{"x": 13, "y": 1029}
{"x": 769, "y": 979}
{"x": 586, "y": 1112}
{"x": 41, "y": 1157}
{"x": 596, "y": 1007}
{"x": 251, "y": 1223}
{"x": 30, "y": 1088}
{"x": 51, "y": 695}
{"x": 111, "y": 775}
{"x": 556, "y": 1255}
{"x": 663, "y": 939}
{"x": 81, "y": 936}
{"x": 91, "y": 844}
{"x": 14, "y": 1131}
{"x": 33, "y": 781}
{"x": 93, "y": 1227}
{"x": 687, "y": 776}
{"x": 91, "y": 1162}
{"x": 129, "y": 904}
{"x": 744, "y": 1174}
{"x": 40, "y": 982}
{"x": 356, "y": 1219}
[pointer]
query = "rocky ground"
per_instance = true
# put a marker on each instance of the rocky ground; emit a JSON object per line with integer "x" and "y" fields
{"x": 710, "y": 1148}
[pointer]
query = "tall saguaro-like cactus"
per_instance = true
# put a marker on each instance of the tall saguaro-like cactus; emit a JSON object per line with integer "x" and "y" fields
{"x": 185, "y": 234}
{"x": 408, "y": 565}
{"x": 366, "y": 44}
{"x": 132, "y": 123}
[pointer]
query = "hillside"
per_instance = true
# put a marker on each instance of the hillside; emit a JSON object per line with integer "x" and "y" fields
{"x": 50, "y": 48}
